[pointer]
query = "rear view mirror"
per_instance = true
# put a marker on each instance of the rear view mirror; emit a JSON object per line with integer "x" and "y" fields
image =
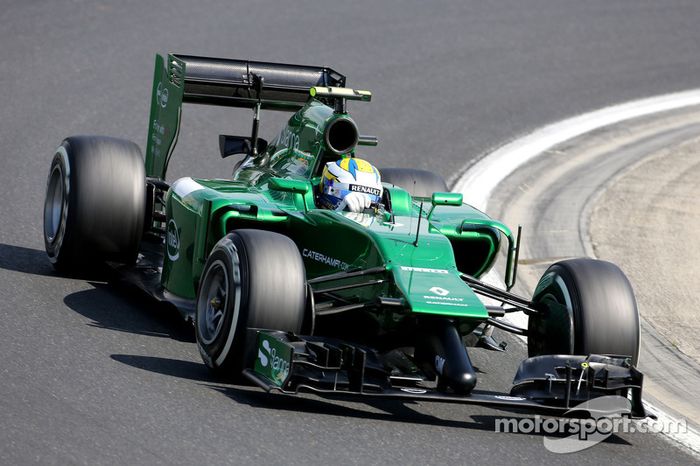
{"x": 234, "y": 145}
{"x": 453, "y": 199}
{"x": 289, "y": 186}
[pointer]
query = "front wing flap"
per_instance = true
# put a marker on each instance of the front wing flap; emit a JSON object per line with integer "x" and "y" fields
{"x": 290, "y": 364}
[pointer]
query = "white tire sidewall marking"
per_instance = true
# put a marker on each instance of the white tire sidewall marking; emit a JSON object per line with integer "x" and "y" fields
{"x": 569, "y": 306}
{"x": 231, "y": 249}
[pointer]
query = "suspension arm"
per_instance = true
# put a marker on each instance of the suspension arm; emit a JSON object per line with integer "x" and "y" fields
{"x": 506, "y": 297}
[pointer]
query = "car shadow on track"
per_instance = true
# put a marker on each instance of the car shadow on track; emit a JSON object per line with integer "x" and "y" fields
{"x": 392, "y": 410}
{"x": 36, "y": 262}
{"x": 401, "y": 411}
{"x": 111, "y": 304}
{"x": 25, "y": 260}
{"x": 119, "y": 308}
{"x": 189, "y": 370}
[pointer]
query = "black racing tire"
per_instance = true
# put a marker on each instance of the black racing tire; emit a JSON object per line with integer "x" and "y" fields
{"x": 418, "y": 183}
{"x": 587, "y": 307}
{"x": 95, "y": 202}
{"x": 253, "y": 279}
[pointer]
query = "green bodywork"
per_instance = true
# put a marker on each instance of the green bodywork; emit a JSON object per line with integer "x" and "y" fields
{"x": 424, "y": 243}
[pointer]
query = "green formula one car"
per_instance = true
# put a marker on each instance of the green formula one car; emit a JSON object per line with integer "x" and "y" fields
{"x": 384, "y": 302}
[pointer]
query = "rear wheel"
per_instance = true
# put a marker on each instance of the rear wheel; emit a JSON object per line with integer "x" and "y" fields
{"x": 95, "y": 202}
{"x": 588, "y": 307}
{"x": 253, "y": 279}
{"x": 418, "y": 183}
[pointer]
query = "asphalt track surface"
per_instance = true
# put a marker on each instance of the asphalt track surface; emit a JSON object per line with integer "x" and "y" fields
{"x": 93, "y": 374}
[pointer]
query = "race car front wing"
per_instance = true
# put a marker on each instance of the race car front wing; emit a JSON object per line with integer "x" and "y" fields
{"x": 549, "y": 384}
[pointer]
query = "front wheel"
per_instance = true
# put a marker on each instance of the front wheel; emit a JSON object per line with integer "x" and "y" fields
{"x": 587, "y": 307}
{"x": 253, "y": 279}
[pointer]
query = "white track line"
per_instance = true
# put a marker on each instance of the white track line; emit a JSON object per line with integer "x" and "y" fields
{"x": 479, "y": 181}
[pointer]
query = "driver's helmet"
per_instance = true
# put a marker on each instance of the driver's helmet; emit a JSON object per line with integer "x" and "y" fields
{"x": 345, "y": 176}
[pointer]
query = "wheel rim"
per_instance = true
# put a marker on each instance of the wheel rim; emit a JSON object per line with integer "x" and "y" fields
{"x": 53, "y": 206}
{"x": 554, "y": 334}
{"x": 213, "y": 302}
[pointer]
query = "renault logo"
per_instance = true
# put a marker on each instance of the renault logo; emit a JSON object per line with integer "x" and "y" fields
{"x": 439, "y": 291}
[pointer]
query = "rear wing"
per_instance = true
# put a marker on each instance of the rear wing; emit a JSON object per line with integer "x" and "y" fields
{"x": 219, "y": 81}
